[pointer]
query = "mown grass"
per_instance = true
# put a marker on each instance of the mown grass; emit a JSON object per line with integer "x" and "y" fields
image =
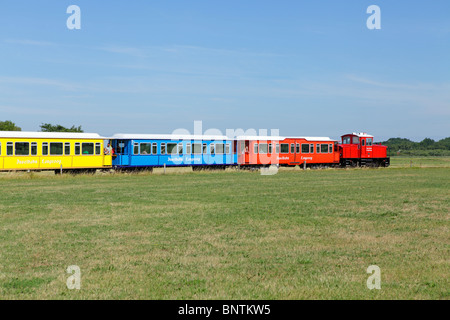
{"x": 227, "y": 235}
{"x": 421, "y": 162}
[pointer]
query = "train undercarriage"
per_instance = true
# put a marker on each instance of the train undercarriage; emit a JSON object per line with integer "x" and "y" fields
{"x": 370, "y": 162}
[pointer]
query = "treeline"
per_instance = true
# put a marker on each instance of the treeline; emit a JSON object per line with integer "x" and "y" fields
{"x": 426, "y": 147}
{"x": 45, "y": 127}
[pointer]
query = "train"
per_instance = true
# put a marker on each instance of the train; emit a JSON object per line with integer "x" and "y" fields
{"x": 38, "y": 151}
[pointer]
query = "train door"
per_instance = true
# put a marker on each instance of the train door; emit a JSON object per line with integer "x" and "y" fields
{"x": 122, "y": 150}
{"x": 1, "y": 158}
{"x": 235, "y": 152}
{"x": 297, "y": 156}
{"x": 240, "y": 152}
{"x": 363, "y": 148}
{"x": 247, "y": 152}
{"x": 336, "y": 152}
{"x": 292, "y": 155}
{"x": 243, "y": 152}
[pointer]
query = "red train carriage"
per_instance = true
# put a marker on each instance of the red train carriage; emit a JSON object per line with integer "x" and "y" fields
{"x": 258, "y": 150}
{"x": 312, "y": 151}
{"x": 358, "y": 149}
{"x": 315, "y": 151}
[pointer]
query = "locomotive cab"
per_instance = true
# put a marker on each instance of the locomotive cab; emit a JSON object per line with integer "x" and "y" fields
{"x": 358, "y": 149}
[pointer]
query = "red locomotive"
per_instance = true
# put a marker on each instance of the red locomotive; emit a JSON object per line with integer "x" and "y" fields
{"x": 358, "y": 149}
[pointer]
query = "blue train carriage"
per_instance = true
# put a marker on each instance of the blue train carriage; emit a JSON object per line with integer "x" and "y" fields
{"x": 158, "y": 150}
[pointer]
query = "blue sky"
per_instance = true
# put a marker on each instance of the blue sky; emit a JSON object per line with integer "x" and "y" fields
{"x": 308, "y": 68}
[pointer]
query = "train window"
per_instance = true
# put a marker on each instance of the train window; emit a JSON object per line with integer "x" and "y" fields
{"x": 363, "y": 142}
{"x": 255, "y": 148}
{"x": 146, "y": 148}
{"x": 135, "y": 148}
{"x": 330, "y": 148}
{"x": 56, "y": 148}
{"x": 22, "y": 148}
{"x": 298, "y": 148}
{"x": 277, "y": 148}
{"x": 355, "y": 140}
{"x": 311, "y": 148}
{"x": 98, "y": 148}
{"x": 305, "y": 148}
{"x": 154, "y": 148}
{"x": 188, "y": 148}
{"x": 120, "y": 147}
{"x": 180, "y": 148}
{"x": 292, "y": 148}
{"x": 263, "y": 148}
{"x": 205, "y": 148}
{"x": 317, "y": 148}
{"x": 211, "y": 148}
{"x": 227, "y": 148}
{"x": 324, "y": 148}
{"x": 86, "y": 148}
{"x": 197, "y": 148}
{"x": 9, "y": 148}
{"x": 270, "y": 148}
{"x": 346, "y": 140}
{"x": 163, "y": 148}
{"x": 67, "y": 148}
{"x": 45, "y": 148}
{"x": 220, "y": 148}
{"x": 171, "y": 148}
{"x": 369, "y": 141}
{"x": 34, "y": 148}
{"x": 77, "y": 148}
{"x": 284, "y": 148}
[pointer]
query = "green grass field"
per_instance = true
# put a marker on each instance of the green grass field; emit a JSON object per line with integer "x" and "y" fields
{"x": 420, "y": 162}
{"x": 227, "y": 235}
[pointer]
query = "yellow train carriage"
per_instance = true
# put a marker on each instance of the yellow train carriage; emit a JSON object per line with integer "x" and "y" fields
{"x": 52, "y": 150}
